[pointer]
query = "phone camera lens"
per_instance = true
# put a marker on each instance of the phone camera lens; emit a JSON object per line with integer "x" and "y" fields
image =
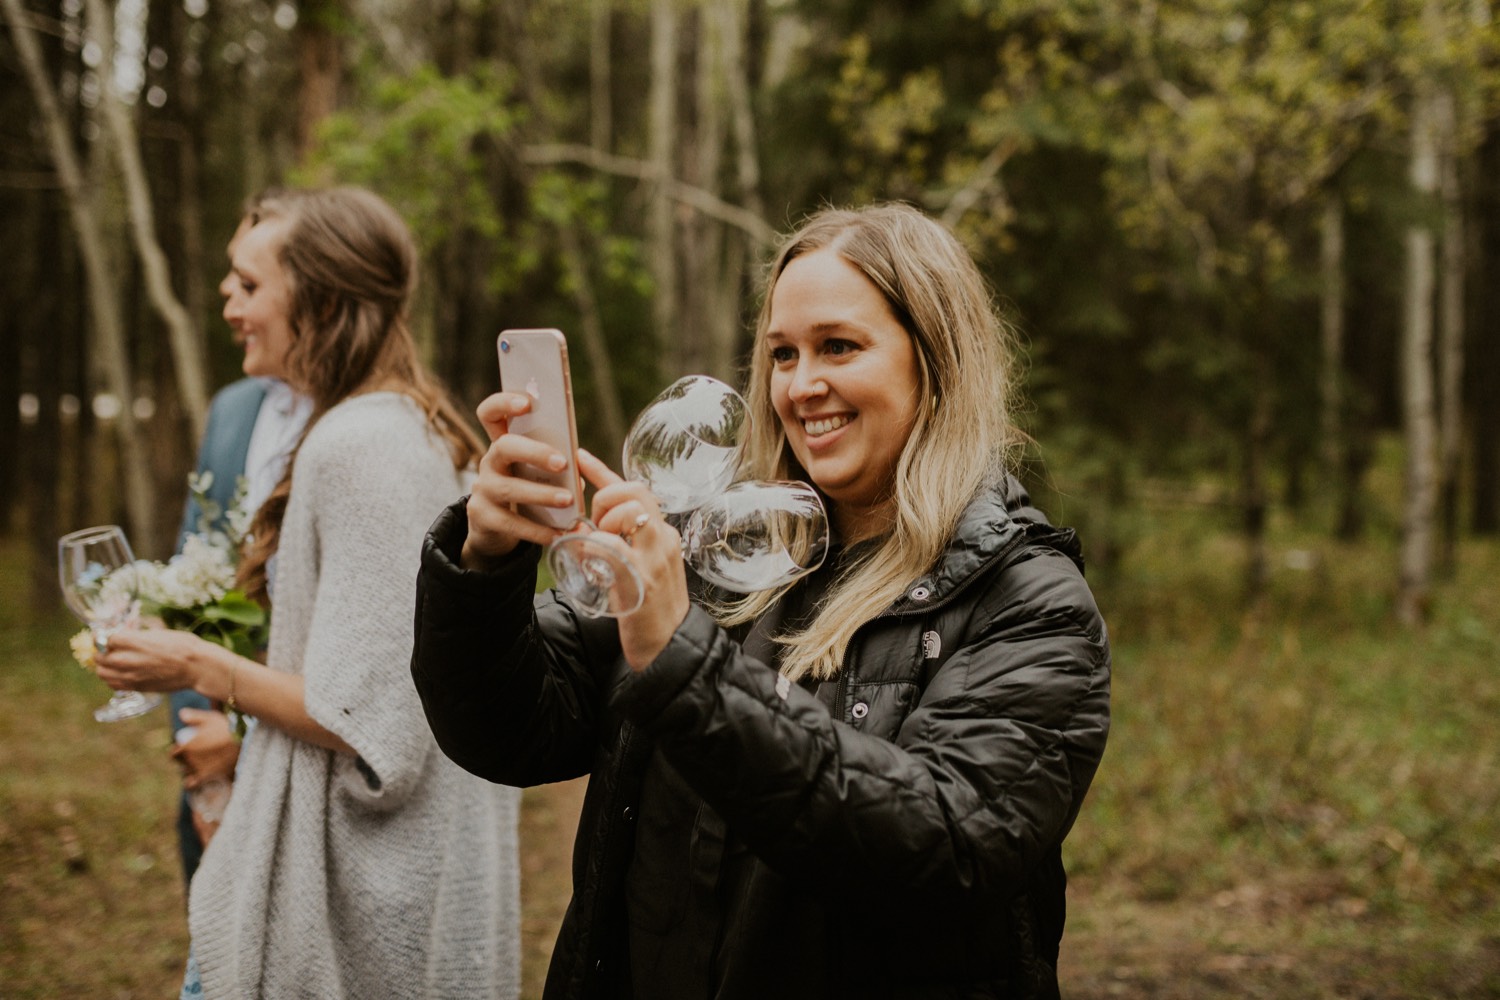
{"x": 504, "y": 347}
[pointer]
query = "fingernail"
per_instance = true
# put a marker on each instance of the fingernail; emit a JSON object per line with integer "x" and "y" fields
{"x": 562, "y": 499}
{"x": 557, "y": 463}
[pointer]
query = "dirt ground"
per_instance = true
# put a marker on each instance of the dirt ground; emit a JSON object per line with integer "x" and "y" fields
{"x": 549, "y": 819}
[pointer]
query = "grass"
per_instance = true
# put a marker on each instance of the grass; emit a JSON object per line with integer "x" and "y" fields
{"x": 91, "y": 897}
{"x": 1298, "y": 800}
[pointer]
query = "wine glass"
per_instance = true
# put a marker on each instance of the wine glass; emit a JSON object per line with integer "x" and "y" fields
{"x": 685, "y": 446}
{"x": 757, "y": 535}
{"x": 97, "y": 571}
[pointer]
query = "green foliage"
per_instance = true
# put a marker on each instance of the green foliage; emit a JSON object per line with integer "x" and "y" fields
{"x": 233, "y": 621}
{"x": 420, "y": 140}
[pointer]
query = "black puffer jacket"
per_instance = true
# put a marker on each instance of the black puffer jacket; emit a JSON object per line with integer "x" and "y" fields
{"x": 923, "y": 816}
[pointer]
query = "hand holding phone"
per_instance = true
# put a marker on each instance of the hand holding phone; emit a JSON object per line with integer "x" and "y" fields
{"x": 535, "y": 362}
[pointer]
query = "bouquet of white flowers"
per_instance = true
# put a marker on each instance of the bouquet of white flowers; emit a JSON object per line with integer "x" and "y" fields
{"x": 195, "y": 589}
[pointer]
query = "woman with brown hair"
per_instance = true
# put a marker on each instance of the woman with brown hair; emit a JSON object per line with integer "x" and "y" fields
{"x": 857, "y": 786}
{"x": 354, "y": 859}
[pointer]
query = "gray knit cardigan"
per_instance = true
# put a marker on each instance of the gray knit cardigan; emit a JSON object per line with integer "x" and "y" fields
{"x": 390, "y": 874}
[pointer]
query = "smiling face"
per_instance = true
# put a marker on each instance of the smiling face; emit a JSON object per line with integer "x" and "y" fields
{"x": 258, "y": 298}
{"x": 844, "y": 382}
{"x": 229, "y": 282}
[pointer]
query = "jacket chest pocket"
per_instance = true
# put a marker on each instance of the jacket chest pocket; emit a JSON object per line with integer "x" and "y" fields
{"x": 879, "y": 707}
{"x": 885, "y": 676}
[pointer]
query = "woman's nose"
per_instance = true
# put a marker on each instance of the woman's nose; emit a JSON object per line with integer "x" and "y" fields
{"x": 807, "y": 381}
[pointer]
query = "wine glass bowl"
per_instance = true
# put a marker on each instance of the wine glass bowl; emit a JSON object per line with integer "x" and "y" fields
{"x": 96, "y": 571}
{"x": 685, "y": 445}
{"x": 757, "y": 535}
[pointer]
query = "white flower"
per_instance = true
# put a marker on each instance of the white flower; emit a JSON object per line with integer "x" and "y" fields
{"x": 124, "y": 585}
{"x": 199, "y": 574}
{"x": 238, "y": 519}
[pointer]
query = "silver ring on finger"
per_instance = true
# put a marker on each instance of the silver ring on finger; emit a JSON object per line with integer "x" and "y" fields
{"x": 640, "y": 522}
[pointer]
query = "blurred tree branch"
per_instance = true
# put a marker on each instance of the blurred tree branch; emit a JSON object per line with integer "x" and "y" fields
{"x": 706, "y": 202}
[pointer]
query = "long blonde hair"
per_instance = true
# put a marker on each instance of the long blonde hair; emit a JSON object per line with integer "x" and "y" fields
{"x": 351, "y": 263}
{"x": 963, "y": 436}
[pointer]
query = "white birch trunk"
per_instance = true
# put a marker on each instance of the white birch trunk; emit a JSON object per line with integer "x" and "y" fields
{"x": 1454, "y": 260}
{"x": 1332, "y": 327}
{"x": 662, "y": 140}
{"x": 182, "y": 331}
{"x": 104, "y": 306}
{"x": 1419, "y": 419}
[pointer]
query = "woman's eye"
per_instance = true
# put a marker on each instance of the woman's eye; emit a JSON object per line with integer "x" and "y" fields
{"x": 837, "y": 347}
{"x": 781, "y": 355}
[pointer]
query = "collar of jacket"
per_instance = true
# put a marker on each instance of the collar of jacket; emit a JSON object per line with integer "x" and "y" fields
{"x": 993, "y": 527}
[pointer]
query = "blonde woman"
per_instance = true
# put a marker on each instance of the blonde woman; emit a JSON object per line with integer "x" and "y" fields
{"x": 354, "y": 859}
{"x": 858, "y": 786}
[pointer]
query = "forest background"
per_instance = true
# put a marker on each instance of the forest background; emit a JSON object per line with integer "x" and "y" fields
{"x": 1252, "y": 249}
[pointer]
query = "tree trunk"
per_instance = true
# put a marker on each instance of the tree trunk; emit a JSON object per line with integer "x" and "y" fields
{"x": 1332, "y": 325}
{"x": 319, "y": 66}
{"x": 189, "y": 194}
{"x": 702, "y": 326}
{"x": 661, "y": 141}
{"x": 601, "y": 118}
{"x": 103, "y": 301}
{"x": 1451, "y": 340}
{"x": 596, "y": 348}
{"x": 738, "y": 252}
{"x": 14, "y": 323}
{"x": 741, "y": 106}
{"x": 1484, "y": 369}
{"x": 182, "y": 330}
{"x": 43, "y": 443}
{"x": 1419, "y": 420}
{"x": 575, "y": 260}
{"x": 1253, "y": 482}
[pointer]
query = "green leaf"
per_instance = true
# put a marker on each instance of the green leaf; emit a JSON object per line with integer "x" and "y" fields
{"x": 235, "y": 607}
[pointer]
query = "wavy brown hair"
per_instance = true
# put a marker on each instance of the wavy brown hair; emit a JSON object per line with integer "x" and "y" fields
{"x": 351, "y": 264}
{"x": 963, "y": 437}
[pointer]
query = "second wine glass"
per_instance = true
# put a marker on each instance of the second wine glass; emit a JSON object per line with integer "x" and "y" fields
{"x": 757, "y": 535}
{"x": 96, "y": 570}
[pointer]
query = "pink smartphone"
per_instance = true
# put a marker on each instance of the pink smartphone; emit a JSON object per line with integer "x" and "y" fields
{"x": 536, "y": 362}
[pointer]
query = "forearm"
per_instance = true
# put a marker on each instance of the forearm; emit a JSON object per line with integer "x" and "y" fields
{"x": 497, "y": 701}
{"x": 272, "y": 696}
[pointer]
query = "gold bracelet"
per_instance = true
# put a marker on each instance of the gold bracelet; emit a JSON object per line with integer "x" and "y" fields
{"x": 237, "y": 725}
{"x": 229, "y": 702}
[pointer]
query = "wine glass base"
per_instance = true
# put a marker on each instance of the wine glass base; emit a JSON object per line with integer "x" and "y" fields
{"x": 126, "y": 705}
{"x": 592, "y": 569}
